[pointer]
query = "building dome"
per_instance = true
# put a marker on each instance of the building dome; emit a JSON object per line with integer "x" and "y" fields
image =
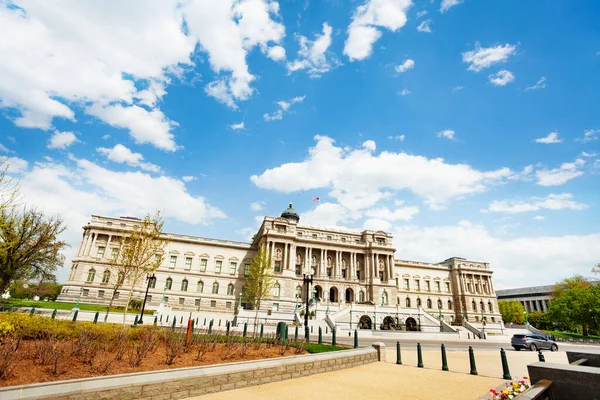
{"x": 290, "y": 214}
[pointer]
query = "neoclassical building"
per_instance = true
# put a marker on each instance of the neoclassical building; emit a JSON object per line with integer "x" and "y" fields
{"x": 203, "y": 274}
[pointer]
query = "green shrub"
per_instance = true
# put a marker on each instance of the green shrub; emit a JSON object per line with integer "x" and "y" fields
{"x": 135, "y": 304}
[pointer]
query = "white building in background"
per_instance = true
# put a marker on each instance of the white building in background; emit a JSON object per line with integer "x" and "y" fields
{"x": 350, "y": 268}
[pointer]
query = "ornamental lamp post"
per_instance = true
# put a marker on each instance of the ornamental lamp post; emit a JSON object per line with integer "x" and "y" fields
{"x": 307, "y": 280}
{"x": 151, "y": 279}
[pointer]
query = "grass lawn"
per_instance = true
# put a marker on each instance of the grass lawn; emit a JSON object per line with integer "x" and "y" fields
{"x": 322, "y": 348}
{"x": 569, "y": 335}
{"x": 59, "y": 305}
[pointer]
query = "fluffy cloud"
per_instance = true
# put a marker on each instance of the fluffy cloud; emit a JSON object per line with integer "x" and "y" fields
{"x": 551, "y": 138}
{"x": 15, "y": 165}
{"x": 284, "y": 106}
{"x": 446, "y": 4}
{"x": 589, "y": 135}
{"x": 404, "y": 92}
{"x": 481, "y": 58}
{"x": 541, "y": 84}
{"x": 328, "y": 215}
{"x": 561, "y": 175}
{"x": 312, "y": 55}
{"x": 551, "y": 202}
{"x": 448, "y": 134}
{"x": 256, "y": 206}
{"x": 122, "y": 155}
{"x": 501, "y": 78}
{"x": 363, "y": 32}
{"x": 397, "y": 137}
{"x": 4, "y": 149}
{"x": 400, "y": 214}
{"x": 358, "y": 179}
{"x": 188, "y": 178}
{"x": 561, "y": 256}
{"x": 405, "y": 66}
{"x": 457, "y": 88}
{"x": 62, "y": 140}
{"x": 421, "y": 13}
{"x": 425, "y": 26}
{"x": 237, "y": 127}
{"x": 539, "y": 218}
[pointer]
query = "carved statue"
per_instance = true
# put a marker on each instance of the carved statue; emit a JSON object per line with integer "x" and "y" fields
{"x": 298, "y": 259}
{"x": 344, "y": 263}
{"x": 329, "y": 261}
{"x": 381, "y": 267}
{"x": 278, "y": 255}
{"x": 314, "y": 260}
{"x": 357, "y": 264}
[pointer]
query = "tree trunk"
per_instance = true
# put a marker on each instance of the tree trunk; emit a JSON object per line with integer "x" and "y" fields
{"x": 112, "y": 298}
{"x": 255, "y": 319}
{"x": 584, "y": 328}
{"x": 128, "y": 300}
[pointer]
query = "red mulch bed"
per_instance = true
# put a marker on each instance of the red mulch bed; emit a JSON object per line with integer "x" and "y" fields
{"x": 28, "y": 370}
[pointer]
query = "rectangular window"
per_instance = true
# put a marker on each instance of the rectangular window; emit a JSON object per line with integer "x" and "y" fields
{"x": 218, "y": 266}
{"x": 100, "y": 252}
{"x": 148, "y": 299}
{"x": 173, "y": 262}
{"x": 275, "y": 307}
{"x": 228, "y": 304}
{"x": 428, "y": 286}
{"x": 100, "y": 294}
{"x": 277, "y": 267}
{"x": 197, "y": 302}
{"x": 232, "y": 268}
{"x": 417, "y": 285}
{"x": 181, "y": 301}
{"x": 437, "y": 287}
{"x": 247, "y": 269}
{"x": 343, "y": 240}
{"x": 188, "y": 262}
{"x": 213, "y": 303}
{"x": 86, "y": 292}
{"x": 116, "y": 296}
{"x": 114, "y": 253}
{"x": 447, "y": 284}
{"x": 406, "y": 284}
{"x": 203, "y": 263}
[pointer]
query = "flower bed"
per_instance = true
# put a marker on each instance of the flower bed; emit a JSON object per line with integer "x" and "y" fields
{"x": 512, "y": 389}
{"x": 39, "y": 349}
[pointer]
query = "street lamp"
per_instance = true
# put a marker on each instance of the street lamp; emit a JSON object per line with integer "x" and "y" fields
{"x": 307, "y": 280}
{"x": 151, "y": 279}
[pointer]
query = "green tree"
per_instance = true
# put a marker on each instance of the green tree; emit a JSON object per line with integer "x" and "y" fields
{"x": 577, "y": 304}
{"x": 260, "y": 281}
{"x": 9, "y": 190}
{"x": 512, "y": 311}
{"x": 29, "y": 245}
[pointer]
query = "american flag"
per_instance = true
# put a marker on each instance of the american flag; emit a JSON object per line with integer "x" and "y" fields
{"x": 315, "y": 199}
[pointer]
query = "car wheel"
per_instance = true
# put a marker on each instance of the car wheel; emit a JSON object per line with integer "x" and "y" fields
{"x": 533, "y": 347}
{"x": 554, "y": 348}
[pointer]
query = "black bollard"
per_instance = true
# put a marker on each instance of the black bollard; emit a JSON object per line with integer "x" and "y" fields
{"x": 54, "y": 313}
{"x": 167, "y": 321}
{"x": 204, "y": 322}
{"x": 174, "y": 322}
{"x": 307, "y": 334}
{"x": 96, "y": 317}
{"x": 155, "y": 320}
{"x": 444, "y": 359}
{"x": 75, "y": 315}
{"x": 320, "y": 335}
{"x": 326, "y": 330}
{"x": 210, "y": 327}
{"x": 419, "y": 356}
{"x": 245, "y": 329}
{"x": 135, "y": 321}
{"x": 219, "y": 322}
{"x": 505, "y": 370}
{"x": 472, "y": 361}
{"x": 541, "y": 356}
{"x": 161, "y": 319}
{"x": 398, "y": 354}
{"x": 333, "y": 337}
{"x": 32, "y": 311}
{"x": 355, "y": 339}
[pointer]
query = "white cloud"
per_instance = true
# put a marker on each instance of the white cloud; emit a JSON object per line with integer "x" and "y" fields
{"x": 237, "y": 127}
{"x": 446, "y": 4}
{"x": 481, "y": 58}
{"x": 539, "y": 218}
{"x": 328, "y": 215}
{"x": 122, "y": 155}
{"x": 363, "y": 32}
{"x": 106, "y": 136}
{"x": 541, "y": 84}
{"x": 276, "y": 53}
{"x": 589, "y": 135}
{"x": 4, "y": 149}
{"x": 561, "y": 175}
{"x": 257, "y": 206}
{"x": 586, "y": 154}
{"x": 397, "y": 137}
{"x": 521, "y": 256}
{"x": 421, "y": 13}
{"x": 404, "y": 92}
{"x": 551, "y": 202}
{"x": 284, "y": 106}
{"x": 457, "y": 88}
{"x": 405, "y": 66}
{"x": 62, "y": 140}
{"x": 551, "y": 138}
{"x": 358, "y": 178}
{"x": 501, "y": 78}
{"x": 188, "y": 178}
{"x": 425, "y": 26}
{"x": 400, "y": 214}
{"x": 15, "y": 165}
{"x": 448, "y": 134}
{"x": 312, "y": 55}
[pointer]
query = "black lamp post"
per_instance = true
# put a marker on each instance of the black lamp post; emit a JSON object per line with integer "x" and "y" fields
{"x": 150, "y": 279}
{"x": 307, "y": 279}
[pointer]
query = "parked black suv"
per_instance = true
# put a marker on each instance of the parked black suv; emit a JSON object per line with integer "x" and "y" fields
{"x": 533, "y": 342}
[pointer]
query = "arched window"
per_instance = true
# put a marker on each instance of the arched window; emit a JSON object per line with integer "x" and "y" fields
{"x": 184, "y": 285}
{"x": 230, "y": 289}
{"x": 298, "y": 291}
{"x": 439, "y": 304}
{"x": 490, "y": 307}
{"x": 276, "y": 290}
{"x": 361, "y": 296}
{"x": 199, "y": 286}
{"x": 91, "y": 275}
{"x": 418, "y": 302}
{"x": 215, "y": 289}
{"x": 428, "y": 303}
{"x": 407, "y": 302}
{"x": 384, "y": 297}
{"x": 106, "y": 276}
{"x": 449, "y": 304}
{"x": 474, "y": 305}
{"x": 169, "y": 283}
{"x": 481, "y": 307}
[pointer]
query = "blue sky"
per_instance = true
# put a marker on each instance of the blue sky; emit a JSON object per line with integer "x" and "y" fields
{"x": 465, "y": 128}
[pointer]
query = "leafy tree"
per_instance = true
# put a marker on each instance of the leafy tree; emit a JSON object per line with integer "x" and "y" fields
{"x": 540, "y": 320}
{"x": 577, "y": 304}
{"x": 596, "y": 269}
{"x": 260, "y": 281}
{"x": 512, "y": 311}
{"x": 29, "y": 245}
{"x": 140, "y": 253}
{"x": 9, "y": 190}
{"x": 577, "y": 281}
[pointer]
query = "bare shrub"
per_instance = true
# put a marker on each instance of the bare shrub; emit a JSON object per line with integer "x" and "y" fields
{"x": 104, "y": 358}
{"x": 42, "y": 348}
{"x": 201, "y": 347}
{"x": 300, "y": 347}
{"x": 174, "y": 345}
{"x": 146, "y": 342}
{"x": 282, "y": 346}
{"x": 119, "y": 343}
{"x": 55, "y": 355}
{"x": 8, "y": 355}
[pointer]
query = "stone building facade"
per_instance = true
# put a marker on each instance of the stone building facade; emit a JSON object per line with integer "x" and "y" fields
{"x": 348, "y": 268}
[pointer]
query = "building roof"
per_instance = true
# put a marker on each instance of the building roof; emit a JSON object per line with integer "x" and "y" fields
{"x": 290, "y": 213}
{"x": 546, "y": 289}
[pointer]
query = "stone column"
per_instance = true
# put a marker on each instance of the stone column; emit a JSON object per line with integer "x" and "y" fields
{"x": 83, "y": 244}
{"x": 93, "y": 246}
{"x": 88, "y": 243}
{"x": 292, "y": 257}
{"x": 284, "y": 259}
{"x": 310, "y": 258}
{"x": 306, "y": 262}
{"x": 391, "y": 268}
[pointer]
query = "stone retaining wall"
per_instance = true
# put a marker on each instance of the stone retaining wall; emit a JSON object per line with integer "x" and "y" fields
{"x": 187, "y": 382}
